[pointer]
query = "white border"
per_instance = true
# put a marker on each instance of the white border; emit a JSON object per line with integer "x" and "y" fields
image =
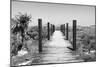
{"x": 5, "y": 28}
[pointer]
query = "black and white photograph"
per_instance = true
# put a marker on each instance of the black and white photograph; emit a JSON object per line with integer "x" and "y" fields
{"x": 51, "y": 33}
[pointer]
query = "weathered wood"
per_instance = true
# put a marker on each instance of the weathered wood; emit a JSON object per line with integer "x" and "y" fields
{"x": 64, "y": 29}
{"x": 74, "y": 34}
{"x": 40, "y": 34}
{"x": 61, "y": 28}
{"x": 53, "y": 28}
{"x": 54, "y": 50}
{"x": 48, "y": 26}
{"x": 67, "y": 31}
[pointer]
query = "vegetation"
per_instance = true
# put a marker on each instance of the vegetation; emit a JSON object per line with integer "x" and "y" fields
{"x": 21, "y": 33}
{"x": 24, "y": 37}
{"x": 86, "y": 42}
{"x": 19, "y": 27}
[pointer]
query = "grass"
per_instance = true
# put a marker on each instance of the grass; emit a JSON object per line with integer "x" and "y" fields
{"x": 85, "y": 43}
{"x": 33, "y": 53}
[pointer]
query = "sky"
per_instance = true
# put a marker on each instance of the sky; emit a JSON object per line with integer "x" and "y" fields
{"x": 55, "y": 13}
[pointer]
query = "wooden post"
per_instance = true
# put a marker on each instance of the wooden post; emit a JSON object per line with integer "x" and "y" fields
{"x": 74, "y": 34}
{"x": 67, "y": 31}
{"x": 61, "y": 28}
{"x": 64, "y": 29}
{"x": 48, "y": 26}
{"x": 40, "y": 34}
{"x": 53, "y": 28}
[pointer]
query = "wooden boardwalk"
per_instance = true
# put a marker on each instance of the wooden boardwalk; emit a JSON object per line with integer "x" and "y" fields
{"x": 55, "y": 51}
